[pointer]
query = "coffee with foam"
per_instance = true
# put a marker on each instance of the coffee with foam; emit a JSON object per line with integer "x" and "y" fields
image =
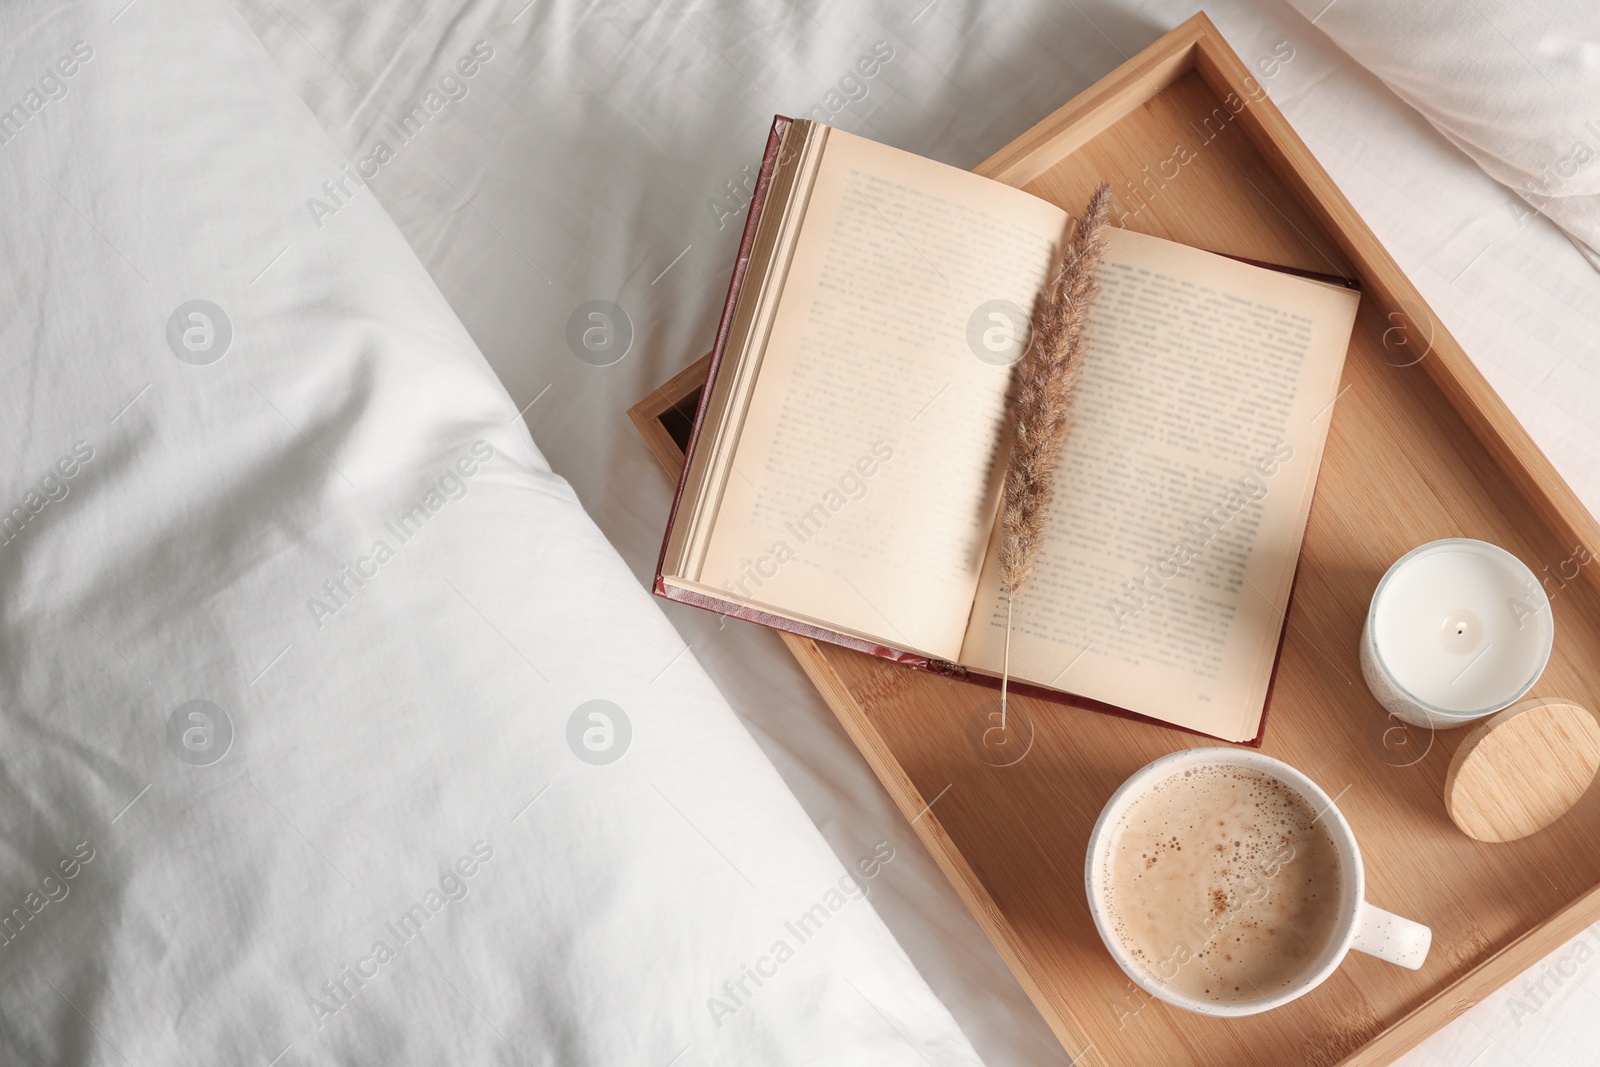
{"x": 1223, "y": 884}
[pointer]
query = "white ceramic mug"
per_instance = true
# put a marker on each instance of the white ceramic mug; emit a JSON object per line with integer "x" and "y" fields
{"x": 1360, "y": 926}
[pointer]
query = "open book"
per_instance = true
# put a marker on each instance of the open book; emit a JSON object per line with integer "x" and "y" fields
{"x": 844, "y": 474}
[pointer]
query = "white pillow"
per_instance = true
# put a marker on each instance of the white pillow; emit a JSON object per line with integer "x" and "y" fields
{"x": 1515, "y": 85}
{"x": 301, "y": 639}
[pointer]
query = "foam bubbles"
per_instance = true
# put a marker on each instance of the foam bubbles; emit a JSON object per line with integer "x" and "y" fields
{"x": 1223, "y": 883}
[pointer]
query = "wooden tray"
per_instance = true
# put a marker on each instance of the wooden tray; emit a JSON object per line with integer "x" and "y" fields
{"x": 1420, "y": 448}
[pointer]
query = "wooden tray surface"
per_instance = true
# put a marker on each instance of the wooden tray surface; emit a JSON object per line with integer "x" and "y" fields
{"x": 1418, "y": 449}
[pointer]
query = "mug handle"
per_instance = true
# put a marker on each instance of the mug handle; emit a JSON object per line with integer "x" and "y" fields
{"x": 1389, "y": 937}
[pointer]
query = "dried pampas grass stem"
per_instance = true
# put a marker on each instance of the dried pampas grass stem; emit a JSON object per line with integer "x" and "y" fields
{"x": 1041, "y": 405}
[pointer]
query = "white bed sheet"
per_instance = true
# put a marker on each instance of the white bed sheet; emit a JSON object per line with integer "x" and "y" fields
{"x": 600, "y": 154}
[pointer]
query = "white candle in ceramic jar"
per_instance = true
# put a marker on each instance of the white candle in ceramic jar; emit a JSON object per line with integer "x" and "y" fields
{"x": 1458, "y": 629}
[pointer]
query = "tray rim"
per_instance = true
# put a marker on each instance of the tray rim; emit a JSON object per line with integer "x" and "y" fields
{"x": 1196, "y": 45}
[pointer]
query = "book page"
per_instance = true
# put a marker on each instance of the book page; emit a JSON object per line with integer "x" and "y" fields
{"x": 864, "y": 477}
{"x": 1182, "y": 491}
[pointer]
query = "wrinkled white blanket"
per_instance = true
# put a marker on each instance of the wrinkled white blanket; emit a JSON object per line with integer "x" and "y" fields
{"x": 605, "y": 145}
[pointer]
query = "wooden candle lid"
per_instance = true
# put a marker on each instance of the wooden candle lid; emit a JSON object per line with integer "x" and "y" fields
{"x": 1523, "y": 769}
